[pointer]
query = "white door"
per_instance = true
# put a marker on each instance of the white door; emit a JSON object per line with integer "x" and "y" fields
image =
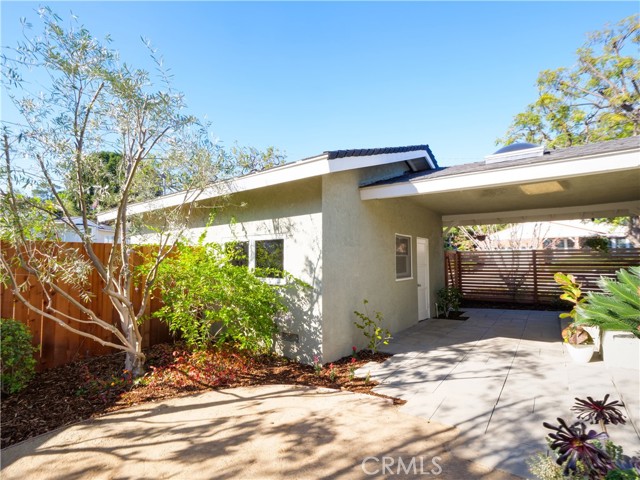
{"x": 423, "y": 278}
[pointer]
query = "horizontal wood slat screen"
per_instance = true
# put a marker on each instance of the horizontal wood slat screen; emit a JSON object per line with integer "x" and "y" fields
{"x": 526, "y": 276}
{"x": 57, "y": 345}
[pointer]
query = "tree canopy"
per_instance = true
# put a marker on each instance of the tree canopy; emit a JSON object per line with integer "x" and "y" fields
{"x": 596, "y": 99}
{"x": 97, "y": 134}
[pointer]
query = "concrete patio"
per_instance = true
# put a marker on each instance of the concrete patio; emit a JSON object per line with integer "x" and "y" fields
{"x": 496, "y": 377}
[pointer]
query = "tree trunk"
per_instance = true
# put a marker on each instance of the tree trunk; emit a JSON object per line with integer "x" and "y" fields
{"x": 135, "y": 363}
{"x": 135, "y": 359}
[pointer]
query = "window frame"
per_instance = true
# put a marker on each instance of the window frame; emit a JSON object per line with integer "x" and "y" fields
{"x": 254, "y": 242}
{"x": 235, "y": 244}
{"x": 409, "y": 255}
{"x": 251, "y": 257}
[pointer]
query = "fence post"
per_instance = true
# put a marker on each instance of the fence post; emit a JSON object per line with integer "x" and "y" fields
{"x": 534, "y": 260}
{"x": 458, "y": 270}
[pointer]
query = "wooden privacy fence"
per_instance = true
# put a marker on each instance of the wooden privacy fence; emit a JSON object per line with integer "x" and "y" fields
{"x": 526, "y": 276}
{"x": 57, "y": 345}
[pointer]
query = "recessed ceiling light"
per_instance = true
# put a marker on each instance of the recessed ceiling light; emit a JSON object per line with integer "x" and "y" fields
{"x": 540, "y": 188}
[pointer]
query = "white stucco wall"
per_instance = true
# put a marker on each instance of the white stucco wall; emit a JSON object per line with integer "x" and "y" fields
{"x": 358, "y": 240}
{"x": 343, "y": 247}
{"x": 291, "y": 212}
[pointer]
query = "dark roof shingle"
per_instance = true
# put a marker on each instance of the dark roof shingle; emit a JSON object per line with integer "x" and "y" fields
{"x": 359, "y": 152}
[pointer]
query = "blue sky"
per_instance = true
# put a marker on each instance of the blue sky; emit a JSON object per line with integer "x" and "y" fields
{"x": 307, "y": 77}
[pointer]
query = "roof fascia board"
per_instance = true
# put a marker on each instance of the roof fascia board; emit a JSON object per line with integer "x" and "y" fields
{"x": 308, "y": 168}
{"x": 352, "y": 163}
{"x": 545, "y": 214}
{"x": 294, "y": 171}
{"x": 529, "y": 173}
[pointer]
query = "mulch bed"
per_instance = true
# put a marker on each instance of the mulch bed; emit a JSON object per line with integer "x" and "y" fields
{"x": 558, "y": 306}
{"x": 92, "y": 387}
{"x": 453, "y": 316}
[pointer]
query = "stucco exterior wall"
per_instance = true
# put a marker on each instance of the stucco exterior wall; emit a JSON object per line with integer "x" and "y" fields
{"x": 358, "y": 240}
{"x": 291, "y": 212}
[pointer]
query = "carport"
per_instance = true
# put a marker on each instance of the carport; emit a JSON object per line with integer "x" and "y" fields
{"x": 527, "y": 183}
{"x": 500, "y": 374}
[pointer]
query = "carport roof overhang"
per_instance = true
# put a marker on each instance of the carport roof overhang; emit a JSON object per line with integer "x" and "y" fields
{"x": 600, "y": 180}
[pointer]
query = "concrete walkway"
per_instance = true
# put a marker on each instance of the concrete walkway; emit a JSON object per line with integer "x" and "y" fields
{"x": 270, "y": 432}
{"x": 497, "y": 377}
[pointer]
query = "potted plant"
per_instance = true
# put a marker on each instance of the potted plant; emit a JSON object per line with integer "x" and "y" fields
{"x": 616, "y": 311}
{"x": 579, "y": 342}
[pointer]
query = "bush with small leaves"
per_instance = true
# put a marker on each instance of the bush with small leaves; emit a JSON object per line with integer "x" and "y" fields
{"x": 17, "y": 365}
{"x": 449, "y": 299}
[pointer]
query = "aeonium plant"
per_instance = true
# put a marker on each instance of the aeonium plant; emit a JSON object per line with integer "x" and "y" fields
{"x": 581, "y": 452}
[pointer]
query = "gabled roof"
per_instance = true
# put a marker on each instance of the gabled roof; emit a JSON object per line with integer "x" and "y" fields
{"x": 417, "y": 157}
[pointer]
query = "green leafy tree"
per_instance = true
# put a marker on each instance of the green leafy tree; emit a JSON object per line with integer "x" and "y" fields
{"x": 595, "y": 100}
{"x": 248, "y": 160}
{"x": 93, "y": 103}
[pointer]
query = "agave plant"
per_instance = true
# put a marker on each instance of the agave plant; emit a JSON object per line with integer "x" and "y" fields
{"x": 617, "y": 307}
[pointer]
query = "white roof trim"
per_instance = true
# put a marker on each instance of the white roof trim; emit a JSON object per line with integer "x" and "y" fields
{"x": 311, "y": 167}
{"x": 508, "y": 175}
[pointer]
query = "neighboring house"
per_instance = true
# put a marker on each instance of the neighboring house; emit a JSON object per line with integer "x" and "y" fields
{"x": 99, "y": 233}
{"x": 367, "y": 224}
{"x": 561, "y": 235}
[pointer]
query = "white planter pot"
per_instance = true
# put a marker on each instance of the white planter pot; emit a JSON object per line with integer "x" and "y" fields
{"x": 596, "y": 334}
{"x": 580, "y": 353}
{"x": 621, "y": 349}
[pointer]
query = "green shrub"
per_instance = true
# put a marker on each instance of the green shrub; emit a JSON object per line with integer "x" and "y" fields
{"x": 17, "y": 365}
{"x": 617, "y": 307}
{"x": 209, "y": 297}
{"x": 449, "y": 299}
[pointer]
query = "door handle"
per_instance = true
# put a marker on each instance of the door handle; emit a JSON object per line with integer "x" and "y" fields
{"x": 419, "y": 285}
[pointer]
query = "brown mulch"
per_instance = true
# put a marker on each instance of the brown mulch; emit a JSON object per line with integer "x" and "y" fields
{"x": 92, "y": 387}
{"x": 516, "y": 306}
{"x": 453, "y": 316}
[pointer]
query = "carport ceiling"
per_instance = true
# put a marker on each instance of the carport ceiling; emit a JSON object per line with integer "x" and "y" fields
{"x": 580, "y": 182}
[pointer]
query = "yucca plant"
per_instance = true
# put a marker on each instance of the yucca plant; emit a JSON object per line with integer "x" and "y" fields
{"x": 617, "y": 307}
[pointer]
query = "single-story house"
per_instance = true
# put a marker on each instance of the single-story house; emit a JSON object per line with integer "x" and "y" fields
{"x": 100, "y": 233}
{"x": 368, "y": 224}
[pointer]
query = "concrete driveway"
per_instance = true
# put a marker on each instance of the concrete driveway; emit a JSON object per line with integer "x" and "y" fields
{"x": 496, "y": 377}
{"x": 271, "y": 432}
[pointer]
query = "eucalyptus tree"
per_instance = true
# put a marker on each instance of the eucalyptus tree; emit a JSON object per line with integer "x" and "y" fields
{"x": 75, "y": 99}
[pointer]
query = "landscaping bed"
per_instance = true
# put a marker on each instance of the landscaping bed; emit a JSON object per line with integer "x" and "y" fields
{"x": 88, "y": 388}
{"x": 553, "y": 307}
